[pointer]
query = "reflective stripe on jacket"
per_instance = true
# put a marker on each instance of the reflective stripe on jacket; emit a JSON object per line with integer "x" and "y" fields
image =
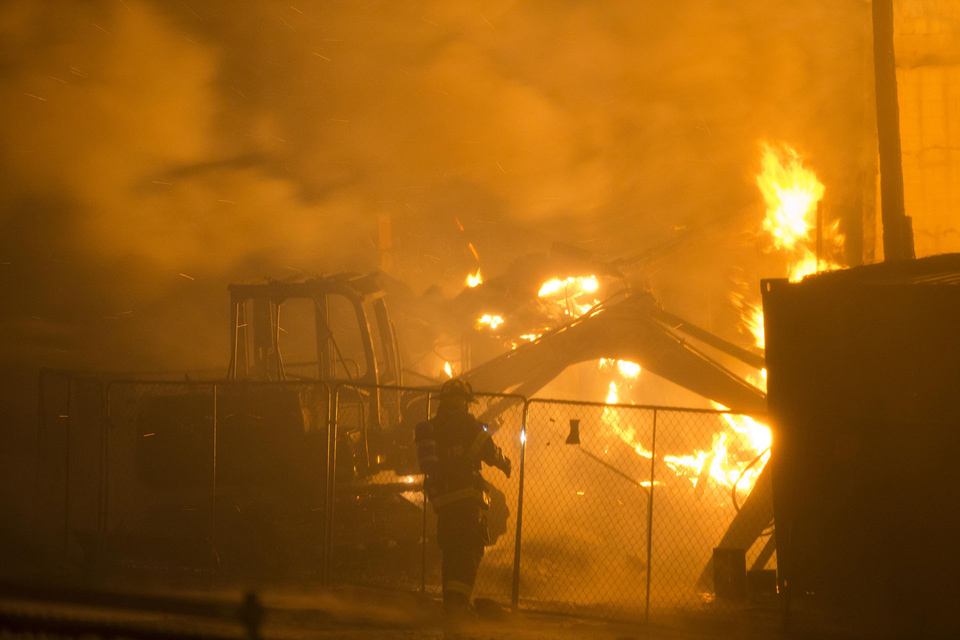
{"x": 450, "y": 448}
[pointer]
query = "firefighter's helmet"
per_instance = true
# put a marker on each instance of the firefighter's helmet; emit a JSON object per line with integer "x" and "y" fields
{"x": 457, "y": 388}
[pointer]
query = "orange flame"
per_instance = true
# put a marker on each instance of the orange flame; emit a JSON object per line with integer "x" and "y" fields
{"x": 474, "y": 279}
{"x": 491, "y": 321}
{"x": 791, "y": 192}
{"x": 571, "y": 297}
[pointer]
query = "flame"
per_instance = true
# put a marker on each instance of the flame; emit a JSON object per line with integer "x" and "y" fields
{"x": 791, "y": 192}
{"x": 753, "y": 320}
{"x": 570, "y": 297}
{"x": 490, "y": 321}
{"x": 585, "y": 285}
{"x": 612, "y": 395}
{"x": 807, "y": 263}
{"x": 729, "y": 465}
{"x": 474, "y": 279}
{"x": 731, "y": 460}
{"x": 626, "y": 368}
{"x": 613, "y": 418}
{"x": 448, "y": 370}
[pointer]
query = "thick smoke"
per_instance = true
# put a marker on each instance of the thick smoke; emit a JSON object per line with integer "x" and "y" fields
{"x": 153, "y": 152}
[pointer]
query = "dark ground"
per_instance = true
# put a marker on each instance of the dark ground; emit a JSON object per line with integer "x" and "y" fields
{"x": 358, "y": 613}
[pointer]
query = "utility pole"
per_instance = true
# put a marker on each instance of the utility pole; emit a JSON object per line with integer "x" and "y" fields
{"x": 897, "y": 227}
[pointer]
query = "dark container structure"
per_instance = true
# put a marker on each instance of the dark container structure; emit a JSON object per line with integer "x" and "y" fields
{"x": 864, "y": 395}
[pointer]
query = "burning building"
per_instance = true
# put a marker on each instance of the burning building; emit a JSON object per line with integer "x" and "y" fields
{"x": 570, "y": 206}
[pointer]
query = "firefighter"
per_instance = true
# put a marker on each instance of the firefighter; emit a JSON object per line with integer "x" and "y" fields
{"x": 450, "y": 448}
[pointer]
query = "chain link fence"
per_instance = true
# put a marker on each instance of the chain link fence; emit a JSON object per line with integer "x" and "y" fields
{"x": 612, "y": 510}
{"x": 586, "y": 508}
{"x": 384, "y": 532}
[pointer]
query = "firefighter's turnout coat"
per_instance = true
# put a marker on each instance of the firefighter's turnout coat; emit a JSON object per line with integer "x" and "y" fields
{"x": 450, "y": 448}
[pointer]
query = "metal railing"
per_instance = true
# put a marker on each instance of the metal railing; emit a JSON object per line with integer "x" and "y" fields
{"x": 612, "y": 511}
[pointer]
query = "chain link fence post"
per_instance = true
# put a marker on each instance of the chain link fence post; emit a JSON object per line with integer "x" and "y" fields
{"x": 423, "y": 531}
{"x": 653, "y": 465}
{"x": 213, "y": 511}
{"x": 515, "y": 587}
{"x": 331, "y": 484}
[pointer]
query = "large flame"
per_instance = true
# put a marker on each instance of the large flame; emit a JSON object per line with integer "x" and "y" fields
{"x": 739, "y": 453}
{"x": 739, "y": 448}
{"x": 566, "y": 298}
{"x": 791, "y": 193}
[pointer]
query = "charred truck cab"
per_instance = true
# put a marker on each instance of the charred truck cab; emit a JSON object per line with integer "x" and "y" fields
{"x": 255, "y": 318}
{"x": 232, "y": 476}
{"x": 345, "y": 335}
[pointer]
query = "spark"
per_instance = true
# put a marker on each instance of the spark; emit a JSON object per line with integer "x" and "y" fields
{"x": 473, "y": 251}
{"x": 101, "y": 28}
{"x": 501, "y": 168}
{"x": 324, "y": 57}
{"x": 488, "y": 22}
{"x": 187, "y": 277}
{"x": 147, "y": 435}
{"x": 295, "y": 9}
{"x": 337, "y": 120}
{"x": 164, "y": 183}
{"x": 37, "y": 97}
